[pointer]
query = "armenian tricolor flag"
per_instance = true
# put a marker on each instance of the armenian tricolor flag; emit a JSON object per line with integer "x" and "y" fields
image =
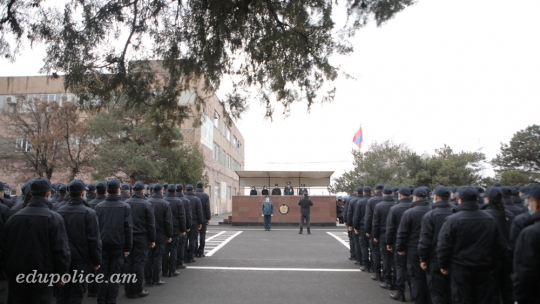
{"x": 357, "y": 139}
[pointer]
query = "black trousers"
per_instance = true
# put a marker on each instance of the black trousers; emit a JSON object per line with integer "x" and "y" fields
{"x": 351, "y": 241}
{"x": 112, "y": 262}
{"x": 73, "y": 291}
{"x": 387, "y": 258}
{"x": 29, "y": 292}
{"x": 134, "y": 263}
{"x": 418, "y": 277}
{"x": 202, "y": 239}
{"x": 170, "y": 255}
{"x": 471, "y": 285}
{"x": 192, "y": 240}
{"x": 504, "y": 283}
{"x": 364, "y": 247}
{"x": 153, "y": 265}
{"x": 400, "y": 270}
{"x": 439, "y": 285}
{"x": 356, "y": 246}
{"x": 375, "y": 256}
{"x": 181, "y": 250}
{"x": 304, "y": 218}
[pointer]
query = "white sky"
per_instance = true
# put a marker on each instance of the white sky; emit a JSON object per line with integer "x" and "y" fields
{"x": 457, "y": 72}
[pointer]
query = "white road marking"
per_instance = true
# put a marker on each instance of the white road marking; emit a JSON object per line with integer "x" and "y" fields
{"x": 346, "y": 244}
{"x": 273, "y": 269}
{"x": 211, "y": 252}
{"x": 216, "y": 235}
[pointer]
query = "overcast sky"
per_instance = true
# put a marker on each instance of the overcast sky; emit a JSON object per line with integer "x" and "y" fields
{"x": 457, "y": 72}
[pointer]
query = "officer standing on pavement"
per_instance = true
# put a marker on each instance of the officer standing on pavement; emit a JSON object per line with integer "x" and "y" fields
{"x": 207, "y": 215}
{"x": 380, "y": 216}
{"x": 144, "y": 238}
{"x": 164, "y": 233}
{"x": 353, "y": 238}
{"x": 101, "y": 189}
{"x": 267, "y": 211}
{"x": 182, "y": 241}
{"x": 360, "y": 229}
{"x": 305, "y": 207}
{"x": 82, "y": 229}
{"x": 439, "y": 284}
{"x": 352, "y": 256}
{"x": 91, "y": 192}
{"x": 197, "y": 217}
{"x": 179, "y": 230}
{"x": 28, "y": 234}
{"x": 469, "y": 245}
{"x": 509, "y": 203}
{"x": 368, "y": 221}
{"x": 125, "y": 192}
{"x": 116, "y": 227}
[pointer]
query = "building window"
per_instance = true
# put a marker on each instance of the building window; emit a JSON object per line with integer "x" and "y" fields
{"x": 12, "y": 192}
{"x": 229, "y": 192}
{"x": 228, "y": 135}
{"x": 23, "y": 144}
{"x": 216, "y": 119}
{"x": 234, "y": 191}
{"x": 216, "y": 152}
{"x": 51, "y": 97}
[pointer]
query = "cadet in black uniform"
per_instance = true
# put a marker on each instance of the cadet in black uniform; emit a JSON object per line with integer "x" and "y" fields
{"x": 305, "y": 206}
{"x": 164, "y": 234}
{"x": 368, "y": 222}
{"x": 29, "y": 234}
{"x": 62, "y": 192}
{"x": 182, "y": 242}
{"x": 116, "y": 227}
{"x": 90, "y": 192}
{"x": 469, "y": 245}
{"x": 380, "y": 215}
{"x": 197, "y": 217}
{"x": 408, "y": 236}
{"x": 207, "y": 215}
{"x": 82, "y": 229}
{"x": 360, "y": 230}
{"x": 179, "y": 230}
{"x": 509, "y": 203}
{"x": 439, "y": 284}
{"x": 527, "y": 254}
{"x": 354, "y": 242}
{"x": 101, "y": 189}
{"x": 352, "y": 254}
{"x": 144, "y": 238}
{"x": 125, "y": 192}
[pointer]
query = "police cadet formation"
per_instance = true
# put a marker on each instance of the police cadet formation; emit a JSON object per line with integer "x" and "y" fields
{"x": 91, "y": 231}
{"x": 451, "y": 245}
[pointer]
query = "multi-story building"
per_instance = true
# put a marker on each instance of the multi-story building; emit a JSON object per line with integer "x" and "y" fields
{"x": 221, "y": 143}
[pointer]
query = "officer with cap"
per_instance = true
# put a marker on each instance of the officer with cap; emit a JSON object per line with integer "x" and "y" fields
{"x": 62, "y": 199}
{"x": 197, "y": 217}
{"x": 439, "y": 284}
{"x": 207, "y": 215}
{"x": 179, "y": 230}
{"x": 101, "y": 190}
{"x": 380, "y": 215}
{"x": 527, "y": 254}
{"x": 54, "y": 193}
{"x": 509, "y": 203}
{"x": 29, "y": 234}
{"x": 395, "y": 193}
{"x": 353, "y": 238}
{"x": 91, "y": 192}
{"x": 125, "y": 190}
{"x": 182, "y": 241}
{"x": 276, "y": 190}
{"x": 453, "y": 199}
{"x": 368, "y": 221}
{"x": 144, "y": 238}
{"x": 164, "y": 234}
{"x": 116, "y": 226}
{"x": 289, "y": 189}
{"x": 84, "y": 241}
{"x": 305, "y": 208}
{"x": 469, "y": 245}
{"x": 360, "y": 230}
{"x": 21, "y": 200}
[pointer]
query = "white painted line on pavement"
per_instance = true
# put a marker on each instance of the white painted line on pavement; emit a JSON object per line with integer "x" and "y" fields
{"x": 218, "y": 234}
{"x": 223, "y": 244}
{"x": 340, "y": 240}
{"x": 273, "y": 269}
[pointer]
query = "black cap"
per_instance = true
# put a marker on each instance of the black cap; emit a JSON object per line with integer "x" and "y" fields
{"x": 102, "y": 186}
{"x": 493, "y": 193}
{"x": 305, "y": 194}
{"x": 157, "y": 187}
{"x": 387, "y": 190}
{"x": 40, "y": 184}
{"x": 420, "y": 192}
{"x": 453, "y": 189}
{"x": 480, "y": 189}
{"x": 507, "y": 191}
{"x": 379, "y": 187}
{"x": 442, "y": 191}
{"x": 166, "y": 186}
{"x": 288, "y": 183}
{"x": 179, "y": 187}
{"x": 367, "y": 189}
{"x": 359, "y": 189}
{"x": 199, "y": 184}
{"x": 91, "y": 187}
{"x": 125, "y": 187}
{"x": 532, "y": 191}
{"x": 76, "y": 186}
{"x": 276, "y": 185}
{"x": 467, "y": 193}
{"x": 395, "y": 189}
{"x": 405, "y": 191}
{"x": 62, "y": 188}
{"x": 171, "y": 188}
{"x": 189, "y": 187}
{"x": 515, "y": 191}
{"x": 497, "y": 185}
{"x": 138, "y": 186}
{"x": 113, "y": 185}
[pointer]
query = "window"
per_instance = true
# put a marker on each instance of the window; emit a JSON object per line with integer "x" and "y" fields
{"x": 216, "y": 119}
{"x": 234, "y": 191}
{"x": 234, "y": 141}
{"x": 228, "y": 134}
{"x": 229, "y": 192}
{"x": 51, "y": 97}
{"x": 12, "y": 192}
{"x": 23, "y": 144}
{"x": 216, "y": 152}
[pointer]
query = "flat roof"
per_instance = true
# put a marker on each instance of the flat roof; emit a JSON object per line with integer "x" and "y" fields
{"x": 269, "y": 178}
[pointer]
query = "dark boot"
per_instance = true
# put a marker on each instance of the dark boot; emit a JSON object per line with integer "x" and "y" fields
{"x": 376, "y": 276}
{"x": 387, "y": 285}
{"x": 398, "y": 296}
{"x": 365, "y": 269}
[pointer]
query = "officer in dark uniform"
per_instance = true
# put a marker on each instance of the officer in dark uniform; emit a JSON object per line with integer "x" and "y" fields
{"x": 116, "y": 226}
{"x": 21, "y": 200}
{"x": 197, "y": 217}
{"x": 62, "y": 192}
{"x": 303, "y": 190}
{"x": 164, "y": 234}
{"x": 354, "y": 242}
{"x": 289, "y": 189}
{"x": 29, "y": 234}
{"x": 54, "y": 193}
{"x": 82, "y": 229}
{"x": 516, "y": 227}
{"x": 182, "y": 241}
{"x": 393, "y": 221}
{"x": 305, "y": 206}
{"x": 368, "y": 221}
{"x": 352, "y": 253}
{"x": 360, "y": 230}
{"x": 395, "y": 193}
{"x": 439, "y": 284}
{"x": 91, "y": 192}
{"x": 125, "y": 192}
{"x": 453, "y": 199}
{"x": 179, "y": 230}
{"x": 101, "y": 189}
{"x": 509, "y": 203}
{"x": 380, "y": 215}
{"x": 276, "y": 190}
{"x": 527, "y": 254}
{"x": 144, "y": 238}
{"x": 207, "y": 215}
{"x": 469, "y": 245}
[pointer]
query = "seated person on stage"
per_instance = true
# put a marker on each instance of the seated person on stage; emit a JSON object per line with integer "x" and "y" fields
{"x": 264, "y": 191}
{"x": 253, "y": 191}
{"x": 276, "y": 190}
{"x": 289, "y": 189}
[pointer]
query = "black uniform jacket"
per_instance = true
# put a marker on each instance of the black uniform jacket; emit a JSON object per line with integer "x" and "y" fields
{"x": 253, "y": 192}
{"x": 115, "y": 223}
{"x": 380, "y": 215}
{"x": 360, "y": 211}
{"x": 394, "y": 219}
{"x": 82, "y": 229}
{"x": 163, "y": 215}
{"x": 142, "y": 213}
{"x": 503, "y": 222}
{"x": 527, "y": 262}
{"x": 370, "y": 208}
{"x": 99, "y": 198}
{"x": 276, "y": 191}
{"x": 305, "y": 204}
{"x": 178, "y": 213}
{"x": 431, "y": 226}
{"x": 6, "y": 202}
{"x": 510, "y": 206}
{"x": 288, "y": 191}
{"x": 197, "y": 215}
{"x": 470, "y": 238}
{"x": 187, "y": 208}
{"x": 515, "y": 228}
{"x": 36, "y": 239}
{"x": 351, "y": 207}
{"x": 205, "y": 202}
{"x": 264, "y": 192}
{"x": 408, "y": 234}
